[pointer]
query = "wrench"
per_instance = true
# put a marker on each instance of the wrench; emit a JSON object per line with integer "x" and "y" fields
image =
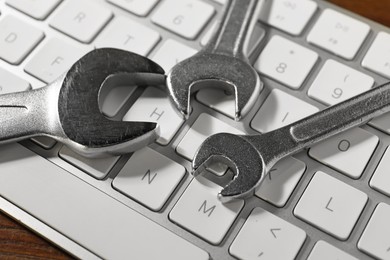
{"x": 251, "y": 157}
{"x": 222, "y": 62}
{"x": 68, "y": 110}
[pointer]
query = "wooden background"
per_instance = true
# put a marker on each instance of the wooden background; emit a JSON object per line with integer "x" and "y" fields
{"x": 18, "y": 242}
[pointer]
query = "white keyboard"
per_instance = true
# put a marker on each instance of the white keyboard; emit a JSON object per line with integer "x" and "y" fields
{"x": 330, "y": 202}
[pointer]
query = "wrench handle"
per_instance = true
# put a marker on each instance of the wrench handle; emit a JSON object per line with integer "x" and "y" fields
{"x": 345, "y": 115}
{"x": 20, "y": 117}
{"x": 235, "y": 28}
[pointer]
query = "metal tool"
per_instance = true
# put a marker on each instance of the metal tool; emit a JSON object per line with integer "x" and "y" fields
{"x": 68, "y": 110}
{"x": 222, "y": 62}
{"x": 251, "y": 157}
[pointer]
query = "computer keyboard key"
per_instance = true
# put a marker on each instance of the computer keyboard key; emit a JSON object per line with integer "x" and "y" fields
{"x": 200, "y": 211}
{"x": 381, "y": 178}
{"x": 288, "y": 15}
{"x": 348, "y": 152}
{"x": 17, "y": 39}
{"x": 203, "y": 127}
{"x": 281, "y": 181}
{"x": 96, "y": 167}
{"x": 267, "y": 237}
{"x": 153, "y": 106}
{"x": 325, "y": 251}
{"x": 45, "y": 142}
{"x": 376, "y": 236}
{"x": 9, "y": 82}
{"x": 331, "y": 205}
{"x": 172, "y": 52}
{"x": 337, "y": 82}
{"x": 53, "y": 59}
{"x": 81, "y": 20}
{"x": 125, "y": 34}
{"x": 116, "y": 99}
{"x": 286, "y": 62}
{"x": 149, "y": 178}
{"x": 83, "y": 213}
{"x": 377, "y": 58}
{"x": 184, "y": 17}
{"x": 338, "y": 34}
{"x": 38, "y": 9}
{"x": 138, "y": 7}
{"x": 280, "y": 109}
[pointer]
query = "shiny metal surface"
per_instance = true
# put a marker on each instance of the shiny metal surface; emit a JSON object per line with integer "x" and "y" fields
{"x": 251, "y": 157}
{"x": 222, "y": 62}
{"x": 68, "y": 109}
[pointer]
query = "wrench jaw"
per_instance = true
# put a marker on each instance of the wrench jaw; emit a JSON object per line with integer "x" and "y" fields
{"x": 240, "y": 156}
{"x": 85, "y": 128}
{"x": 205, "y": 70}
{"x": 114, "y": 145}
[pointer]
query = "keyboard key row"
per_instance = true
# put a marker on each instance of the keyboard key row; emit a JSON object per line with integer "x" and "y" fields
{"x": 83, "y": 212}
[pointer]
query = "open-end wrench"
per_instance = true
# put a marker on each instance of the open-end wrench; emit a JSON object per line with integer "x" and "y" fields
{"x": 68, "y": 109}
{"x": 251, "y": 157}
{"x": 222, "y": 62}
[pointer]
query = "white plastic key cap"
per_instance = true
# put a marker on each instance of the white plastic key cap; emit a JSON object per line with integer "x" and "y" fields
{"x": 11, "y": 83}
{"x": 281, "y": 181}
{"x": 200, "y": 211}
{"x": 149, "y": 177}
{"x": 376, "y": 236}
{"x": 38, "y": 9}
{"x": 83, "y": 213}
{"x": 337, "y": 82}
{"x": 184, "y": 17}
{"x": 203, "y": 127}
{"x": 338, "y": 34}
{"x": 125, "y": 34}
{"x": 377, "y": 58}
{"x": 96, "y": 167}
{"x": 381, "y": 178}
{"x": 331, "y": 205}
{"x": 53, "y": 59}
{"x": 286, "y": 61}
{"x": 81, "y": 20}
{"x": 17, "y": 39}
{"x": 116, "y": 99}
{"x": 267, "y": 237}
{"x": 138, "y": 7}
{"x": 325, "y": 251}
{"x": 280, "y": 109}
{"x": 153, "y": 106}
{"x": 348, "y": 152}
{"x": 172, "y": 52}
{"x": 289, "y": 15}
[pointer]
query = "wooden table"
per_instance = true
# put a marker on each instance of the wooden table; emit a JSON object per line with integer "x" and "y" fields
{"x": 18, "y": 242}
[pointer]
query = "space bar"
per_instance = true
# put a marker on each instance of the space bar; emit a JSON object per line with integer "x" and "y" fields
{"x": 84, "y": 214}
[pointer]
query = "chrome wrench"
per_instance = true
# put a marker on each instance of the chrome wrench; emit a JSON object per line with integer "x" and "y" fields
{"x": 68, "y": 110}
{"x": 251, "y": 157}
{"x": 222, "y": 62}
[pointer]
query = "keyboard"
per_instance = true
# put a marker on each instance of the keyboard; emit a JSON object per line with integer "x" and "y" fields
{"x": 328, "y": 202}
